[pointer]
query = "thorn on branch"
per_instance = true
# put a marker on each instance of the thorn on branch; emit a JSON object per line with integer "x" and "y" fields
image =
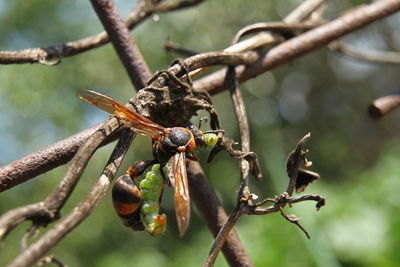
{"x": 295, "y": 220}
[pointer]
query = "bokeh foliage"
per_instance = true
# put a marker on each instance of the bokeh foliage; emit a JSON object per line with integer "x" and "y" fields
{"x": 324, "y": 93}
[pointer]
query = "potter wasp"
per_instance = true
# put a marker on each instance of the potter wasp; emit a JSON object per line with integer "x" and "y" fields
{"x": 132, "y": 203}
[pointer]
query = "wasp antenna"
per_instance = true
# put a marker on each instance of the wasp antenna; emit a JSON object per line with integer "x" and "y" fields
{"x": 202, "y": 120}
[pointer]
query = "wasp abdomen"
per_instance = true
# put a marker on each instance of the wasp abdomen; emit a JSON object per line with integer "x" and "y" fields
{"x": 126, "y": 200}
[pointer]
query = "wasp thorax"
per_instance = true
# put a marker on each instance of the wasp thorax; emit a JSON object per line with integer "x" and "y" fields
{"x": 176, "y": 138}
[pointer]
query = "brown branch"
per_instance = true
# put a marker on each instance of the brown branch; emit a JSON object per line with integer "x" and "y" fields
{"x": 283, "y": 28}
{"x": 244, "y": 192}
{"x": 42, "y": 160}
{"x": 281, "y": 201}
{"x": 48, "y": 210}
{"x": 43, "y": 55}
{"x": 384, "y": 105}
{"x": 32, "y": 254}
{"x": 373, "y": 56}
{"x": 125, "y": 46}
{"x": 173, "y": 47}
{"x": 170, "y": 6}
{"x": 214, "y": 215}
{"x": 304, "y": 43}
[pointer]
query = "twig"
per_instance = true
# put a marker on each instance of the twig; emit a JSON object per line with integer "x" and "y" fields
{"x": 281, "y": 201}
{"x": 284, "y": 28}
{"x": 244, "y": 191}
{"x": 214, "y": 215}
{"x": 304, "y": 43}
{"x": 44, "y": 55}
{"x": 51, "y": 259}
{"x": 295, "y": 220}
{"x": 373, "y": 56}
{"x": 32, "y": 254}
{"x": 43, "y": 160}
{"x": 173, "y": 47}
{"x": 383, "y": 105}
{"x": 48, "y": 210}
{"x": 170, "y": 6}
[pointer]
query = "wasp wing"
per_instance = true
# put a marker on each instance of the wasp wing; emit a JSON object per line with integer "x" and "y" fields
{"x": 138, "y": 122}
{"x": 182, "y": 198}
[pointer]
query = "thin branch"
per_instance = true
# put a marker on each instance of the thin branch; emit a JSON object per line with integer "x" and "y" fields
{"x": 32, "y": 254}
{"x": 383, "y": 105}
{"x": 44, "y": 55}
{"x": 373, "y": 56}
{"x": 170, "y": 6}
{"x": 125, "y": 46}
{"x": 214, "y": 215}
{"x": 277, "y": 27}
{"x": 244, "y": 192}
{"x": 281, "y": 201}
{"x": 43, "y": 160}
{"x": 222, "y": 237}
{"x": 304, "y": 43}
{"x": 46, "y": 211}
{"x": 173, "y": 47}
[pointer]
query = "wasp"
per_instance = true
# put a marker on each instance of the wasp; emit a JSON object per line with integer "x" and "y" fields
{"x": 176, "y": 143}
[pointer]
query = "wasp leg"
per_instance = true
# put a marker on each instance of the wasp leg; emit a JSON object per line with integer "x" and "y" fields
{"x": 138, "y": 167}
{"x": 174, "y": 79}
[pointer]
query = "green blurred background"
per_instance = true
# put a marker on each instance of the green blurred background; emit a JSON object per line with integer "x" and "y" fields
{"x": 324, "y": 93}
